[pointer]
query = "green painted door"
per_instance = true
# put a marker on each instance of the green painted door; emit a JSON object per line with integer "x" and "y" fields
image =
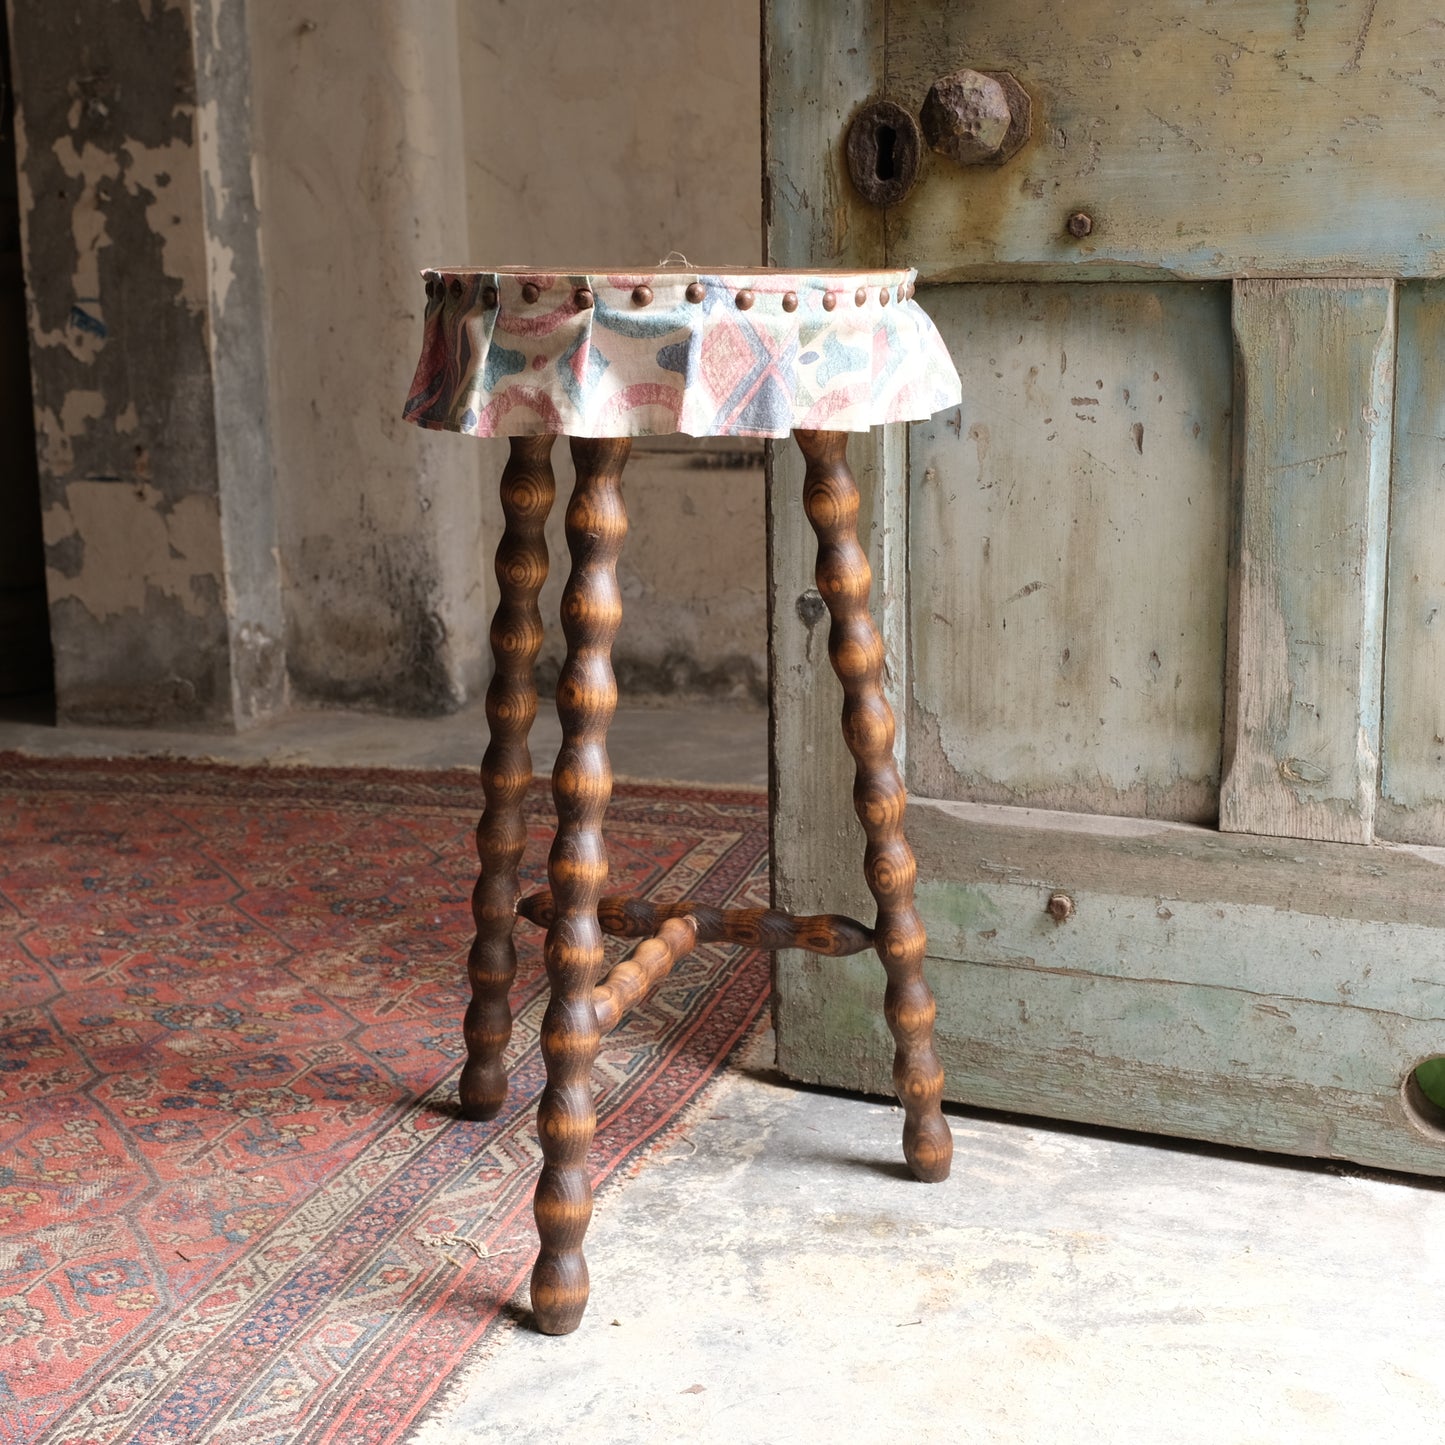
{"x": 1163, "y": 599}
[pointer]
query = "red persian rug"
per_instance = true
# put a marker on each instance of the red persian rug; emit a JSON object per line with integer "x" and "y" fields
{"x": 237, "y": 1203}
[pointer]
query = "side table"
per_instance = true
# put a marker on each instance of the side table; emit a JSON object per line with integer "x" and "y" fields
{"x": 602, "y": 357}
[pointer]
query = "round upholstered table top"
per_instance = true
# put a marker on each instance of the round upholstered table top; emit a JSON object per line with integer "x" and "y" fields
{"x": 516, "y": 351}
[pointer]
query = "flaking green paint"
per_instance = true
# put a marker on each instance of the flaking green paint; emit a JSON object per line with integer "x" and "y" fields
{"x": 956, "y": 905}
{"x": 1206, "y": 140}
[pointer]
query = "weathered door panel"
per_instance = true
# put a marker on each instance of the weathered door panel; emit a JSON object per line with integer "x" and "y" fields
{"x": 1171, "y": 567}
{"x": 1206, "y": 140}
{"x": 820, "y": 63}
{"x": 1411, "y": 808}
{"x": 1068, "y": 551}
{"x": 1315, "y": 397}
{"x": 1208, "y": 985}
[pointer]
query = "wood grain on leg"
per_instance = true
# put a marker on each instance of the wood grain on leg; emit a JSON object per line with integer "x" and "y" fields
{"x": 527, "y": 490}
{"x": 844, "y": 578}
{"x": 635, "y": 977}
{"x": 830, "y": 934}
{"x": 576, "y": 872}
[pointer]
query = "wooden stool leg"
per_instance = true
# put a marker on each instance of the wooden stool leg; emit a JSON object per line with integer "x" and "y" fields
{"x": 527, "y": 491}
{"x": 844, "y": 578}
{"x": 576, "y": 872}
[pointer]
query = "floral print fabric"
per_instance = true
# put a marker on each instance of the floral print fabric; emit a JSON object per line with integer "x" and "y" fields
{"x": 508, "y": 353}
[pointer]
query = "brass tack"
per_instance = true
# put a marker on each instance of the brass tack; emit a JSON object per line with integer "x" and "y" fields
{"x": 696, "y": 291}
{"x": 530, "y": 292}
{"x": 790, "y": 301}
{"x": 830, "y": 300}
{"x": 883, "y": 296}
{"x": 902, "y": 292}
{"x": 642, "y": 295}
{"x": 745, "y": 300}
{"x": 456, "y": 287}
{"x": 583, "y": 298}
{"x": 489, "y": 297}
{"x": 860, "y": 295}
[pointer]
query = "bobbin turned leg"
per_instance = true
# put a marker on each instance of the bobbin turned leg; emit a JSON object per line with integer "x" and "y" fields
{"x": 830, "y": 497}
{"x": 527, "y": 490}
{"x": 576, "y": 871}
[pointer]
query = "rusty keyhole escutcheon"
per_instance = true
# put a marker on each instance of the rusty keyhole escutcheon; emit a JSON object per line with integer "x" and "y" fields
{"x": 885, "y": 148}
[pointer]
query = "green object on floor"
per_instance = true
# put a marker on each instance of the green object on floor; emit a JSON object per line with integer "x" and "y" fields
{"x": 1431, "y": 1078}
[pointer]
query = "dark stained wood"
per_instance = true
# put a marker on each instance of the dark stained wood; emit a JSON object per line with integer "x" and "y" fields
{"x": 527, "y": 489}
{"x": 831, "y": 934}
{"x": 581, "y": 1008}
{"x": 830, "y": 497}
{"x": 641, "y": 971}
{"x": 576, "y": 871}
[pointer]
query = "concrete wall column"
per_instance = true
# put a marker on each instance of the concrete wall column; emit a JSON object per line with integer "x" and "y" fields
{"x": 148, "y": 359}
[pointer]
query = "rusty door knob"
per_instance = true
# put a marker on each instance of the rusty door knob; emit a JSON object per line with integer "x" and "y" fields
{"x": 977, "y": 118}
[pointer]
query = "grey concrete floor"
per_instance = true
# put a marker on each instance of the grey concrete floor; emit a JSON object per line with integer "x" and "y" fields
{"x": 775, "y": 1276}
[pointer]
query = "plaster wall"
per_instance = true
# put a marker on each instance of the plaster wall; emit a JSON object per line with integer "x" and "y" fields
{"x": 226, "y": 207}
{"x": 360, "y": 161}
{"x": 615, "y": 135}
{"x": 395, "y": 134}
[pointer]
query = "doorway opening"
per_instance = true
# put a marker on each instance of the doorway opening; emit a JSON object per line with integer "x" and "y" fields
{"x": 27, "y": 669}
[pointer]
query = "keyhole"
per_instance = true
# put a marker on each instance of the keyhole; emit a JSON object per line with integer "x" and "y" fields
{"x": 884, "y": 146}
{"x": 887, "y": 140}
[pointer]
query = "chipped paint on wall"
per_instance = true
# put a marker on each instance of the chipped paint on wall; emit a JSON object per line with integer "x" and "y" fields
{"x": 56, "y": 433}
{"x": 138, "y": 406}
{"x": 164, "y": 175}
{"x": 151, "y": 545}
{"x": 167, "y": 178}
{"x": 108, "y": 209}
{"x": 84, "y": 332}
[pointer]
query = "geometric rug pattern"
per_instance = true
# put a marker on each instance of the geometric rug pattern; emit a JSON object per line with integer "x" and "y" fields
{"x": 237, "y": 1202}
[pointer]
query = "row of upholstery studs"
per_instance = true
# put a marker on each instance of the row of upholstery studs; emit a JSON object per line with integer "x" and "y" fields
{"x": 642, "y": 295}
